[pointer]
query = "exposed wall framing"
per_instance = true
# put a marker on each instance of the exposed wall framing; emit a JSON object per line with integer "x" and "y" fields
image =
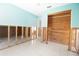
{"x": 13, "y": 35}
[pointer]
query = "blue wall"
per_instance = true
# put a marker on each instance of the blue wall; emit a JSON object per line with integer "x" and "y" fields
{"x": 74, "y": 7}
{"x": 12, "y": 15}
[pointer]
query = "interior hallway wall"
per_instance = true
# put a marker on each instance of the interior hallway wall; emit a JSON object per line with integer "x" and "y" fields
{"x": 15, "y": 16}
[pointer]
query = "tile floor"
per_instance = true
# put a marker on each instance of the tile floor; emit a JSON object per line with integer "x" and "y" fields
{"x": 37, "y": 48}
{"x": 4, "y": 42}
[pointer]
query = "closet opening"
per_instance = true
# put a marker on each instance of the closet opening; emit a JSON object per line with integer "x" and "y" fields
{"x": 13, "y": 35}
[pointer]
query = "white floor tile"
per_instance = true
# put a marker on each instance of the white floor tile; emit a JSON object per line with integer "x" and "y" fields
{"x": 37, "y": 48}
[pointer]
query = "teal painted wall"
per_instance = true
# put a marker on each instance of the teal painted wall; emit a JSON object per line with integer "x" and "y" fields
{"x": 74, "y": 7}
{"x": 12, "y": 15}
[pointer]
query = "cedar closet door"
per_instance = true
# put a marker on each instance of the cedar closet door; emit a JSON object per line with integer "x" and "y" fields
{"x": 59, "y": 27}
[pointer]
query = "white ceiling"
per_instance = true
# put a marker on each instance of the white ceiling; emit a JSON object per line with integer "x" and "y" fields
{"x": 33, "y": 6}
{"x": 37, "y": 8}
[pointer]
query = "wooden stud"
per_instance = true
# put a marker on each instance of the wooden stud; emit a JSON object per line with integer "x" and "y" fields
{"x": 75, "y": 38}
{"x": 70, "y": 38}
{"x": 45, "y": 35}
{"x": 22, "y": 32}
{"x": 42, "y": 34}
{"x": 36, "y": 33}
{"x": 8, "y": 35}
{"x": 26, "y": 33}
{"x": 77, "y": 42}
{"x": 16, "y": 34}
{"x": 71, "y": 44}
{"x": 31, "y": 33}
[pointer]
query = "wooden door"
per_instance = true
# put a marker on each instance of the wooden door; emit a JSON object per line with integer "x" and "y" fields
{"x": 59, "y": 27}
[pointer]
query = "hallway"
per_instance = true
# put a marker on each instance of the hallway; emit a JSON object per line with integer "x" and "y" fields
{"x": 37, "y": 48}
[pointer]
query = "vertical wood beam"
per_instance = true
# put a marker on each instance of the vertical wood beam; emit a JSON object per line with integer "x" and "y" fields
{"x": 77, "y": 42}
{"x": 16, "y": 34}
{"x": 36, "y": 32}
{"x": 45, "y": 35}
{"x": 31, "y": 32}
{"x": 22, "y": 32}
{"x": 70, "y": 38}
{"x": 42, "y": 33}
{"x": 26, "y": 32}
{"x": 8, "y": 35}
{"x": 75, "y": 39}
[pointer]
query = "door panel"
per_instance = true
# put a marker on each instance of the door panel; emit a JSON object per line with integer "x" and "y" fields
{"x": 59, "y": 26}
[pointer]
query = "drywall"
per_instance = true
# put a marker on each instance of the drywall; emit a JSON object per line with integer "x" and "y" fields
{"x": 15, "y": 16}
{"x": 74, "y": 7}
